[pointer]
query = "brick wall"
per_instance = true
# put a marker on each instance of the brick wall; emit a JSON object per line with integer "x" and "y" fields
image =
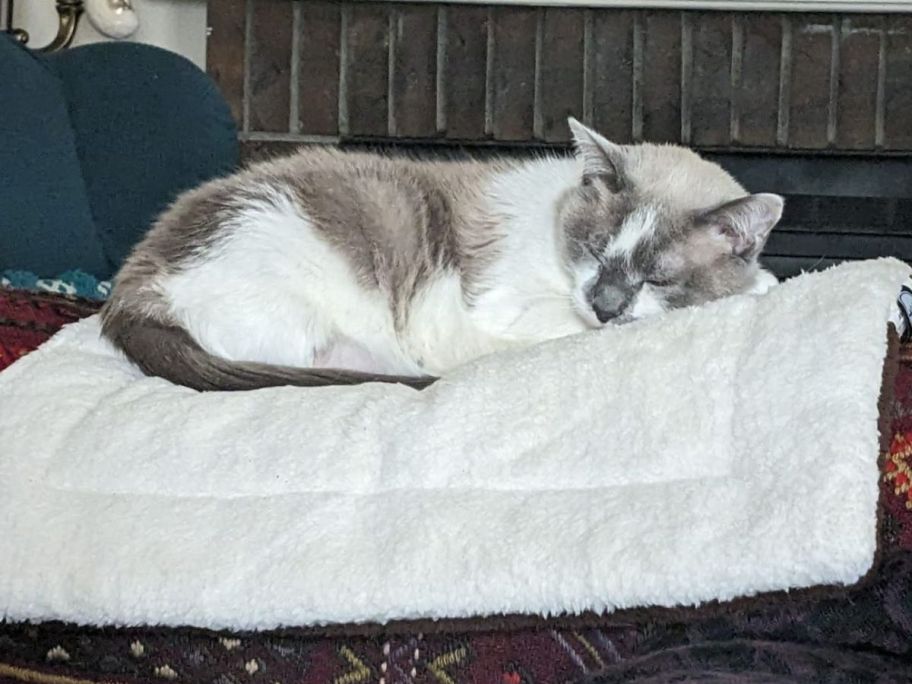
{"x": 716, "y": 80}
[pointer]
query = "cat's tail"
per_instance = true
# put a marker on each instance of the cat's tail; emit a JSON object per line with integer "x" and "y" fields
{"x": 168, "y": 351}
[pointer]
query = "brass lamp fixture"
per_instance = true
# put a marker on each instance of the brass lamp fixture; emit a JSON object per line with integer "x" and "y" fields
{"x": 68, "y": 13}
{"x": 113, "y": 18}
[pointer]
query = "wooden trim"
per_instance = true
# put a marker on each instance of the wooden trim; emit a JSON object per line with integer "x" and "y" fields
{"x": 739, "y": 5}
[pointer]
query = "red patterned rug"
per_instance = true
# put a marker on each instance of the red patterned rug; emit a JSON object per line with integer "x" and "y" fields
{"x": 858, "y": 634}
{"x": 27, "y": 319}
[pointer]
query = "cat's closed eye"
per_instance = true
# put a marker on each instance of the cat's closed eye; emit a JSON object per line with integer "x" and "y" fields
{"x": 597, "y": 254}
{"x": 659, "y": 282}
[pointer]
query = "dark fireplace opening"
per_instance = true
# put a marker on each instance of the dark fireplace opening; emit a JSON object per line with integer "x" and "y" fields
{"x": 837, "y": 208}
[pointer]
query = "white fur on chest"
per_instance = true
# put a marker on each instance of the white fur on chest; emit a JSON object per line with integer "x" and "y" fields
{"x": 527, "y": 293}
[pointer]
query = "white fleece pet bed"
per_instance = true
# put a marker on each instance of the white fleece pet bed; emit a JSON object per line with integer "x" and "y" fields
{"x": 712, "y": 453}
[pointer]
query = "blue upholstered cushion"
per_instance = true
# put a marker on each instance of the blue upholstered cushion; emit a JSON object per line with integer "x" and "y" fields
{"x": 94, "y": 142}
{"x": 45, "y": 220}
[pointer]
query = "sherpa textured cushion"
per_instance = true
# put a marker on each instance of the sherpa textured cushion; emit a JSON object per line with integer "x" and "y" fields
{"x": 670, "y": 461}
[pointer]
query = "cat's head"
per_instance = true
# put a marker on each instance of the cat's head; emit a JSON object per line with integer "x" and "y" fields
{"x": 655, "y": 227}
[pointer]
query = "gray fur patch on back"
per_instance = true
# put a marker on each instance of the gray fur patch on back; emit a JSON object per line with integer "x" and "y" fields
{"x": 399, "y": 223}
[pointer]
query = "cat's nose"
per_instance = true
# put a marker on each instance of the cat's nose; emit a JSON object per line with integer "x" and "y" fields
{"x": 604, "y": 315}
{"x": 608, "y": 303}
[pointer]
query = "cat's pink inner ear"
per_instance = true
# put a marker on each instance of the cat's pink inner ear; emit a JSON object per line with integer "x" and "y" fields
{"x": 744, "y": 224}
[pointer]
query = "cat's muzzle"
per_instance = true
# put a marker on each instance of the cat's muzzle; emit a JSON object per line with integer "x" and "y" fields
{"x": 608, "y": 302}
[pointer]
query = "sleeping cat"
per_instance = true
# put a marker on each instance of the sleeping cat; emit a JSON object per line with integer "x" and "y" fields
{"x": 329, "y": 267}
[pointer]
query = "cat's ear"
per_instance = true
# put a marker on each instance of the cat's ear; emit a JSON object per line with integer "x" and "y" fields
{"x": 743, "y": 225}
{"x": 601, "y": 158}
